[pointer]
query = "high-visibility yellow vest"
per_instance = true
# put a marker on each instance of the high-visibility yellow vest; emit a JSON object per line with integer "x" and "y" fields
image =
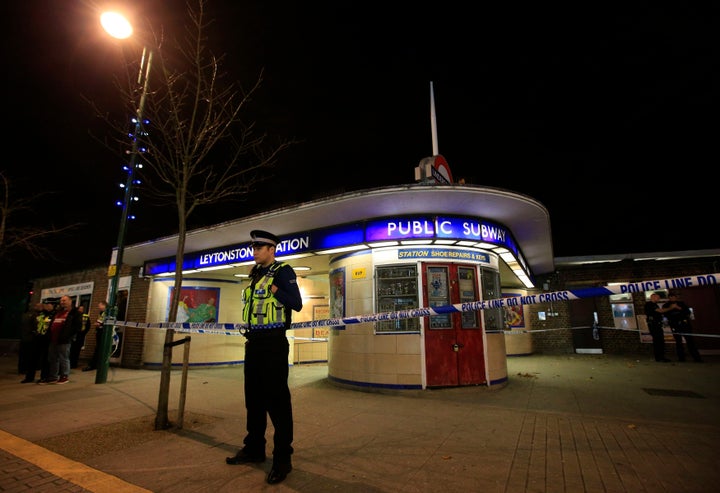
{"x": 42, "y": 322}
{"x": 262, "y": 310}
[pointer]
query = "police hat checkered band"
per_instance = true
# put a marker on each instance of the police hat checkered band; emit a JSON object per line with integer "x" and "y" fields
{"x": 263, "y": 237}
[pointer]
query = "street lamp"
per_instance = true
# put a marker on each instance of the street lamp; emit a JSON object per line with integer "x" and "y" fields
{"x": 118, "y": 26}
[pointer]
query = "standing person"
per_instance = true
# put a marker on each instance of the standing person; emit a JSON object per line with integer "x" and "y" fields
{"x": 269, "y": 300}
{"x": 654, "y": 316}
{"x": 99, "y": 327}
{"x": 41, "y": 343}
{"x": 27, "y": 333}
{"x": 78, "y": 341}
{"x": 35, "y": 341}
{"x": 63, "y": 326}
{"x": 678, "y": 315}
{"x": 43, "y": 346}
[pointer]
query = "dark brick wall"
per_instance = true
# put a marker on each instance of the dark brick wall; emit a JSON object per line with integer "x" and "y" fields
{"x": 557, "y": 337}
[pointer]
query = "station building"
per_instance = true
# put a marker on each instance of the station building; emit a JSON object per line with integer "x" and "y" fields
{"x": 383, "y": 260}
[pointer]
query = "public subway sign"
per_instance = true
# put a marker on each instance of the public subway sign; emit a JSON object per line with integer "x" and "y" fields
{"x": 439, "y": 227}
{"x": 372, "y": 231}
{"x": 444, "y": 227}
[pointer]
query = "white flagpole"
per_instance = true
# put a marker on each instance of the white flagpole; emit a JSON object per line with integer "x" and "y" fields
{"x": 433, "y": 122}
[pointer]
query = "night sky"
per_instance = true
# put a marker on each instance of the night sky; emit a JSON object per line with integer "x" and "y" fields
{"x": 604, "y": 114}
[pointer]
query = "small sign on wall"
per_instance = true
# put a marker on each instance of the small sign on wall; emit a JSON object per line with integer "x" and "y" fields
{"x": 321, "y": 312}
{"x": 514, "y": 315}
{"x": 359, "y": 273}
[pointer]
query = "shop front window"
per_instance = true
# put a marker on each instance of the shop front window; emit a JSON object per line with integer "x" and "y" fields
{"x": 396, "y": 291}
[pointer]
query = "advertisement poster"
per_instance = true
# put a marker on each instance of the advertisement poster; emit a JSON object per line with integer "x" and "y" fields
{"x": 197, "y": 304}
{"x": 438, "y": 283}
{"x": 337, "y": 294}
{"x": 321, "y": 312}
{"x": 624, "y": 315}
{"x": 514, "y": 316}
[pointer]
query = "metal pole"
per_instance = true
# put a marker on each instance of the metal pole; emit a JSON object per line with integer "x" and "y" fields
{"x": 183, "y": 382}
{"x": 111, "y": 313}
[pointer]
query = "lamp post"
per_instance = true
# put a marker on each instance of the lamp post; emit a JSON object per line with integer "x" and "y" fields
{"x": 117, "y": 26}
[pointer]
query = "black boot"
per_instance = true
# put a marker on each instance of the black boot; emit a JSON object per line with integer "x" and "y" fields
{"x": 279, "y": 472}
{"x": 245, "y": 457}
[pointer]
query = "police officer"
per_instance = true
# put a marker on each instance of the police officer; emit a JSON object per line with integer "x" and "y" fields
{"x": 99, "y": 327}
{"x": 268, "y": 303}
{"x": 678, "y": 315}
{"x": 37, "y": 323}
{"x": 654, "y": 317}
{"x": 78, "y": 341}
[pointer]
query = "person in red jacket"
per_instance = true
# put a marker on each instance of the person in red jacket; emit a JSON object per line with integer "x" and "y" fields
{"x": 64, "y": 325}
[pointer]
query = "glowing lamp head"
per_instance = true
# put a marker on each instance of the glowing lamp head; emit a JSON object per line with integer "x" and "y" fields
{"x": 116, "y": 25}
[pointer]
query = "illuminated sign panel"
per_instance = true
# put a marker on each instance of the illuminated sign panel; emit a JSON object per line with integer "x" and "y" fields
{"x": 376, "y": 230}
{"x": 234, "y": 254}
{"x": 443, "y": 254}
{"x": 338, "y": 236}
{"x": 399, "y": 229}
{"x": 439, "y": 227}
{"x": 470, "y": 229}
{"x": 227, "y": 255}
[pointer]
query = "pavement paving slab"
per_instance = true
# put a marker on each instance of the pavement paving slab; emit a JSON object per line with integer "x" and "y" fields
{"x": 592, "y": 423}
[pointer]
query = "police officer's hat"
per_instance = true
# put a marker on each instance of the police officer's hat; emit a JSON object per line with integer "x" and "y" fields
{"x": 260, "y": 237}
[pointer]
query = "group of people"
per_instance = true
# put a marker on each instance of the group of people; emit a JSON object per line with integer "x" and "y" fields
{"x": 52, "y": 338}
{"x": 269, "y": 300}
{"x": 678, "y": 315}
{"x": 50, "y": 332}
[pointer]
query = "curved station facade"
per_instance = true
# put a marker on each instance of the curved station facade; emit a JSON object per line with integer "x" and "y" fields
{"x": 395, "y": 267}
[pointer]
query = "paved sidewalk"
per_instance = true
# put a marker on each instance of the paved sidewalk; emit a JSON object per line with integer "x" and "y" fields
{"x": 593, "y": 423}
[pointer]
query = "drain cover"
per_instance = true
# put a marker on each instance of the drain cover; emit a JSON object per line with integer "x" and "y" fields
{"x": 674, "y": 393}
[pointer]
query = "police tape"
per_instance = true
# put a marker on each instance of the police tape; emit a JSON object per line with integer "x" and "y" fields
{"x": 510, "y": 301}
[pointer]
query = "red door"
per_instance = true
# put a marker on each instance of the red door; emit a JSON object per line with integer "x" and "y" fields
{"x": 454, "y": 354}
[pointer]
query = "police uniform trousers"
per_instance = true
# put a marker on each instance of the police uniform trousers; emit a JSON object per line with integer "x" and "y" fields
{"x": 678, "y": 329}
{"x": 39, "y": 357}
{"x": 267, "y": 393}
{"x": 658, "y": 340}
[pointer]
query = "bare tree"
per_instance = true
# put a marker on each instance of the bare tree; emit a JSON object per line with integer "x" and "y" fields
{"x": 17, "y": 232}
{"x": 196, "y": 148}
